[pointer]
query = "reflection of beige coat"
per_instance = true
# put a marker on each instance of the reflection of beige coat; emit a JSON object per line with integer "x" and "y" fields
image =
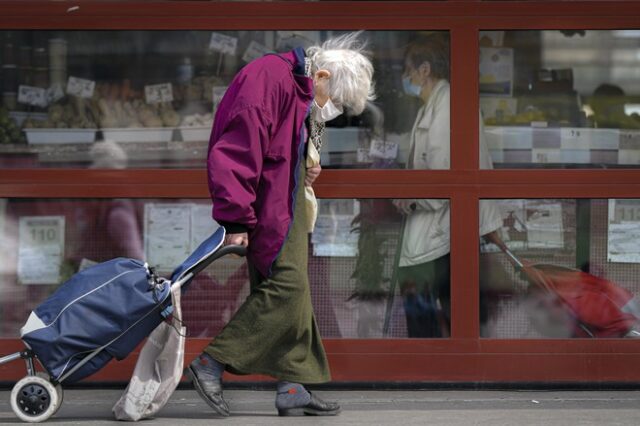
{"x": 313, "y": 159}
{"x": 426, "y": 234}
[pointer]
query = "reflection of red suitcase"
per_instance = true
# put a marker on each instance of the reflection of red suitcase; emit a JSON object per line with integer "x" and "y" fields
{"x": 578, "y": 303}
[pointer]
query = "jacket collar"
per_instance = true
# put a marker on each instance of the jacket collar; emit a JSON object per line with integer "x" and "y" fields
{"x": 426, "y": 111}
{"x": 295, "y": 58}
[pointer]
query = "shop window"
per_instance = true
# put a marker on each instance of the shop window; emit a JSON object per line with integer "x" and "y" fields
{"x": 567, "y": 268}
{"x": 356, "y": 289}
{"x": 560, "y": 99}
{"x": 153, "y": 96}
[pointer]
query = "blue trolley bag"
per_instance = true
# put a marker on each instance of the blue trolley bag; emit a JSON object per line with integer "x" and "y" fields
{"x": 105, "y": 311}
{"x": 98, "y": 306}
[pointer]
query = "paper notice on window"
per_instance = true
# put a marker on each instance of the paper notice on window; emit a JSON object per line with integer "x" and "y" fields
{"x": 167, "y": 234}
{"x": 202, "y": 224}
{"x": 332, "y": 235}
{"x": 40, "y": 249}
{"x": 80, "y": 87}
{"x": 496, "y": 71}
{"x": 544, "y": 225}
{"x": 623, "y": 239}
{"x": 223, "y": 43}
{"x": 255, "y": 51}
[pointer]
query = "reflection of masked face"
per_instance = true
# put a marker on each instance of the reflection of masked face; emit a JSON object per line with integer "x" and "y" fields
{"x": 410, "y": 88}
{"x": 326, "y": 113}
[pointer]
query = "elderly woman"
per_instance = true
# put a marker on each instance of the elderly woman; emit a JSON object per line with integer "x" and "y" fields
{"x": 271, "y": 117}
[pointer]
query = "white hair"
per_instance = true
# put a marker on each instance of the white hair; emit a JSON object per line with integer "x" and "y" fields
{"x": 351, "y": 70}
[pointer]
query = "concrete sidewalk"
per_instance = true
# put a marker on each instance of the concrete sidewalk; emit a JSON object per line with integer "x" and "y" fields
{"x": 398, "y": 408}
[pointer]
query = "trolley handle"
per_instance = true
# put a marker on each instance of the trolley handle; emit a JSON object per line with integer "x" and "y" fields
{"x": 222, "y": 251}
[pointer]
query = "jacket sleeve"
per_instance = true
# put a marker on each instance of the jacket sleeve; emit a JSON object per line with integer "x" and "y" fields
{"x": 234, "y": 166}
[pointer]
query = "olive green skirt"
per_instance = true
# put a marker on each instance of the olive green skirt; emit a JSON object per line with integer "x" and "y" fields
{"x": 274, "y": 332}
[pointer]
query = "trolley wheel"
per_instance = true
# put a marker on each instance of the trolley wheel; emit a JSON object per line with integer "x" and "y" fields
{"x": 58, "y": 389}
{"x": 34, "y": 399}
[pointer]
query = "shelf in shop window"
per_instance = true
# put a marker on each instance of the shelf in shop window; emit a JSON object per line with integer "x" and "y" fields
{"x": 139, "y": 153}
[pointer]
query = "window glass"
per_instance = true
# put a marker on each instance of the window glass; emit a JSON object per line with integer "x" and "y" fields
{"x": 356, "y": 288}
{"x": 560, "y": 99}
{"x": 567, "y": 268}
{"x": 153, "y": 95}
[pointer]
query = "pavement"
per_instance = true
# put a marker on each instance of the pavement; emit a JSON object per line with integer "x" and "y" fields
{"x": 393, "y": 407}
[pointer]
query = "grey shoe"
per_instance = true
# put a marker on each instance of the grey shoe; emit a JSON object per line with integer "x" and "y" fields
{"x": 315, "y": 407}
{"x": 208, "y": 389}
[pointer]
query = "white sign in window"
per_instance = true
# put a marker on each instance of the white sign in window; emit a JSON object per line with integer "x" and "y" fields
{"x": 623, "y": 239}
{"x": 40, "y": 249}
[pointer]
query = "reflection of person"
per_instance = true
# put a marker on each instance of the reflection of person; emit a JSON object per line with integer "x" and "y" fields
{"x": 424, "y": 265}
{"x": 117, "y": 217}
{"x": 256, "y": 168}
{"x": 607, "y": 103}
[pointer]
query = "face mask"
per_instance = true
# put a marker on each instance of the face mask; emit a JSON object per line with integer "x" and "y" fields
{"x": 410, "y": 88}
{"x": 327, "y": 113}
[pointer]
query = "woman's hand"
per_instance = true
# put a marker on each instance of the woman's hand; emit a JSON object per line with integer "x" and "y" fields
{"x": 237, "y": 239}
{"x": 312, "y": 174}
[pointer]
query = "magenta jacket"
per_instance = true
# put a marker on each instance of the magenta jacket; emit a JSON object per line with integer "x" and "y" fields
{"x": 256, "y": 146}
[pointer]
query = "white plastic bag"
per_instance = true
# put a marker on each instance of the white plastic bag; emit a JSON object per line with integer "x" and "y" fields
{"x": 158, "y": 369}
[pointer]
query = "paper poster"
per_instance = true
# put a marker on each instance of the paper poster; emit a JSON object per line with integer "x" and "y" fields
{"x": 623, "y": 237}
{"x": 544, "y": 224}
{"x": 202, "y": 224}
{"x": 40, "y": 249}
{"x": 167, "y": 234}
{"x": 332, "y": 235}
{"x": 173, "y": 231}
{"x": 496, "y": 71}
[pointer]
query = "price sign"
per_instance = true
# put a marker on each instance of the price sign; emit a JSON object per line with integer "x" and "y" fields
{"x": 255, "y": 51}
{"x": 383, "y": 150}
{"x": 363, "y": 156}
{"x": 629, "y": 139}
{"x": 80, "y": 87}
{"x": 35, "y": 96}
{"x": 223, "y": 43}
{"x": 54, "y": 93}
{"x": 574, "y": 138}
{"x": 40, "y": 249}
{"x": 157, "y": 93}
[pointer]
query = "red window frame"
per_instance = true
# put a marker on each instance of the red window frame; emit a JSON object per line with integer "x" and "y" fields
{"x": 465, "y": 357}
